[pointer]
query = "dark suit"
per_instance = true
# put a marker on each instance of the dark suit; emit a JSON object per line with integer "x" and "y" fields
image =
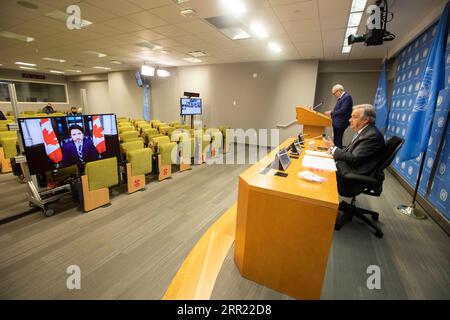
{"x": 70, "y": 153}
{"x": 2, "y": 116}
{"x": 341, "y": 115}
{"x": 362, "y": 156}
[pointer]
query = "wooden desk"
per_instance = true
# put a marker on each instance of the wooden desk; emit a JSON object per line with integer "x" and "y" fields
{"x": 284, "y": 228}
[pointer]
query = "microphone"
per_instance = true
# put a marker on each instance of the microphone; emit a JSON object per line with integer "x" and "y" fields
{"x": 318, "y": 106}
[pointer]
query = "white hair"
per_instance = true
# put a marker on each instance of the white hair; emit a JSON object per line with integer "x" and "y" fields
{"x": 338, "y": 87}
{"x": 368, "y": 112}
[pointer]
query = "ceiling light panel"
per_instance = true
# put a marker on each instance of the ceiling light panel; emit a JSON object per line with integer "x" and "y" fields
{"x": 15, "y": 36}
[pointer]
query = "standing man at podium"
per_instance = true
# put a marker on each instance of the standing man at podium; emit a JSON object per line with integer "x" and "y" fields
{"x": 341, "y": 114}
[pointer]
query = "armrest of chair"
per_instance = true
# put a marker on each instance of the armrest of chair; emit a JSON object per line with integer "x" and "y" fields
{"x": 360, "y": 178}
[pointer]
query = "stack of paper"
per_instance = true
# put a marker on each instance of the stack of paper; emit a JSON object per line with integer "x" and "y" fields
{"x": 318, "y": 154}
{"x": 319, "y": 163}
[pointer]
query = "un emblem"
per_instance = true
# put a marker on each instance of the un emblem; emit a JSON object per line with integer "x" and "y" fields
{"x": 380, "y": 100}
{"x": 443, "y": 195}
{"x": 424, "y": 92}
{"x": 442, "y": 169}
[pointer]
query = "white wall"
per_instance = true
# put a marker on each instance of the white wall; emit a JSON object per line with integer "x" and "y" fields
{"x": 261, "y": 102}
{"x": 97, "y": 92}
{"x": 125, "y": 97}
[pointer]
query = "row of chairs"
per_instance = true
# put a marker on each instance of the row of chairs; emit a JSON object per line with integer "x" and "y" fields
{"x": 149, "y": 147}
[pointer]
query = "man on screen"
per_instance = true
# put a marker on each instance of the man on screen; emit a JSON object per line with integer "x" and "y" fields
{"x": 78, "y": 148}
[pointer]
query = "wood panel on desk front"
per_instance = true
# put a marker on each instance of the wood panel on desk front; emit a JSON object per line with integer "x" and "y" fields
{"x": 284, "y": 228}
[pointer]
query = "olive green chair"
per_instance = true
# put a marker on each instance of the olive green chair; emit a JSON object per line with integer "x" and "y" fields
{"x": 166, "y": 130}
{"x": 154, "y": 122}
{"x": 128, "y": 136}
{"x": 156, "y": 140}
{"x": 126, "y": 129}
{"x": 99, "y": 177}
{"x": 139, "y": 163}
{"x": 8, "y": 149}
{"x": 165, "y": 150}
{"x": 131, "y": 146}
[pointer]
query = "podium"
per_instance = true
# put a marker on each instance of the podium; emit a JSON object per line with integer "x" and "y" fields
{"x": 314, "y": 123}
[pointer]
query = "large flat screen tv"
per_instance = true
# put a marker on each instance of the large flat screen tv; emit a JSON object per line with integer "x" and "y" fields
{"x": 190, "y": 106}
{"x": 58, "y": 142}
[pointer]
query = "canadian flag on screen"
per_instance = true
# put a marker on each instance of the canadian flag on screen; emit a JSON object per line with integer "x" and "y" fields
{"x": 98, "y": 137}
{"x": 52, "y": 147}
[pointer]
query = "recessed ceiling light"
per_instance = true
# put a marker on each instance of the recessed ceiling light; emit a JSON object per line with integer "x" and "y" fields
{"x": 116, "y": 62}
{"x": 193, "y": 60}
{"x": 275, "y": 47}
{"x": 27, "y": 68}
{"x": 148, "y": 71}
{"x": 57, "y": 71}
{"x": 71, "y": 70}
{"x": 12, "y": 35}
{"x": 54, "y": 60}
{"x": 188, "y": 12}
{"x": 102, "y": 68}
{"x": 98, "y": 54}
{"x": 62, "y": 16}
{"x": 149, "y": 45}
{"x": 236, "y": 33}
{"x": 259, "y": 30}
{"x": 181, "y": 1}
{"x": 27, "y": 4}
{"x": 163, "y": 73}
{"x": 197, "y": 54}
{"x": 25, "y": 64}
{"x": 358, "y": 5}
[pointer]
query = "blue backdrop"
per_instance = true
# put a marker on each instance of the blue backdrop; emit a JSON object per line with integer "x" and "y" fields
{"x": 409, "y": 74}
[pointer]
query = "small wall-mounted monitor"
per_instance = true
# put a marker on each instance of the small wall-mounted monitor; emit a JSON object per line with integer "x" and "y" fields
{"x": 190, "y": 106}
{"x": 138, "y": 77}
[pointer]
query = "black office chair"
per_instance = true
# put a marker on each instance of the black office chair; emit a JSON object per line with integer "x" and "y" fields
{"x": 371, "y": 185}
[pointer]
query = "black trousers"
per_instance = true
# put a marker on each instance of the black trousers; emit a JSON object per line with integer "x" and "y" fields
{"x": 338, "y": 134}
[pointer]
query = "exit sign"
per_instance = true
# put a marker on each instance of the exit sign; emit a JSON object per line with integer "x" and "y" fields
{"x": 33, "y": 76}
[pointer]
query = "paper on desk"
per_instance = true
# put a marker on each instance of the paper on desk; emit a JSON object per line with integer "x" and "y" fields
{"x": 320, "y": 163}
{"x": 317, "y": 154}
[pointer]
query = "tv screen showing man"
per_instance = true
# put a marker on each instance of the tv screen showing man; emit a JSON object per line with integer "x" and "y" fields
{"x": 58, "y": 142}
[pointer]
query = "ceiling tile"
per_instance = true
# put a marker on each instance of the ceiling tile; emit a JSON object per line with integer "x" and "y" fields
{"x": 116, "y": 7}
{"x": 297, "y": 11}
{"x": 170, "y": 31}
{"x": 94, "y": 14}
{"x": 332, "y": 8}
{"x": 171, "y": 13}
{"x": 146, "y": 19}
{"x": 302, "y": 26}
{"x": 150, "y": 4}
{"x": 123, "y": 25}
{"x": 196, "y": 26}
{"x": 336, "y": 22}
{"x": 148, "y": 35}
{"x": 313, "y": 36}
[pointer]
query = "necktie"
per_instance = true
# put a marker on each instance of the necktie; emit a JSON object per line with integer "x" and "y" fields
{"x": 354, "y": 137}
{"x": 80, "y": 153}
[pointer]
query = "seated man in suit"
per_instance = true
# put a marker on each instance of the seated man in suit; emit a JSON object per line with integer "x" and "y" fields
{"x": 365, "y": 151}
{"x": 78, "y": 148}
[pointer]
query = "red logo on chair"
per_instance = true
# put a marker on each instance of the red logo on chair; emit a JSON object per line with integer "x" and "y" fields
{"x": 137, "y": 183}
{"x": 165, "y": 172}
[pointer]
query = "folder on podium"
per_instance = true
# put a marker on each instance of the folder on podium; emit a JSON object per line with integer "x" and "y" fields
{"x": 314, "y": 123}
